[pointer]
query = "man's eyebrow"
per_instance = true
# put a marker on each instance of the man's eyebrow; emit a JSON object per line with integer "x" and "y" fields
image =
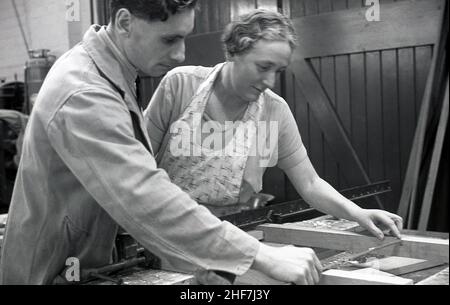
{"x": 173, "y": 36}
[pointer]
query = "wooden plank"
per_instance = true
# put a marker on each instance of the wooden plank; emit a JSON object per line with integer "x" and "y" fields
{"x": 327, "y": 78}
{"x": 397, "y": 265}
{"x": 224, "y": 8}
{"x": 375, "y": 122}
{"x": 358, "y": 112}
{"x": 341, "y": 277}
{"x": 440, "y": 278}
{"x": 407, "y": 200}
{"x": 405, "y": 23}
{"x": 342, "y": 77}
{"x": 413, "y": 246}
{"x": 423, "y": 56}
{"x": 406, "y": 104}
{"x": 434, "y": 166}
{"x": 329, "y": 123}
{"x": 330, "y": 277}
{"x": 324, "y": 6}
{"x": 355, "y": 3}
{"x": 316, "y": 148}
{"x": 391, "y": 118}
{"x": 339, "y": 5}
{"x": 297, "y": 8}
{"x": 311, "y": 7}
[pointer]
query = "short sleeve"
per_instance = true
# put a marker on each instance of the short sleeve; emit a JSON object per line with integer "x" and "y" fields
{"x": 291, "y": 149}
{"x": 159, "y": 112}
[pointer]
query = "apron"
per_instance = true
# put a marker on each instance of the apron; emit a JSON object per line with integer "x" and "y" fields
{"x": 211, "y": 177}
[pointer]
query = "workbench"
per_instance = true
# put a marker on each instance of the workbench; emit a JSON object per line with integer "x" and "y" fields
{"x": 404, "y": 268}
{"x": 422, "y": 259}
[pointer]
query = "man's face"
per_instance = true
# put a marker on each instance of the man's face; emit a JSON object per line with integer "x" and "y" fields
{"x": 156, "y": 47}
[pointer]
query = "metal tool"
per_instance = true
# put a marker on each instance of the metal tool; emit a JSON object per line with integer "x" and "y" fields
{"x": 351, "y": 257}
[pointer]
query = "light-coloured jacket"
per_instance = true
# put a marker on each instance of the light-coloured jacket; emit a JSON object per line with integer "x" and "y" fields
{"x": 83, "y": 173}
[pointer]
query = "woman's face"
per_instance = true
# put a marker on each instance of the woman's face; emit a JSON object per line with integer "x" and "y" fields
{"x": 257, "y": 70}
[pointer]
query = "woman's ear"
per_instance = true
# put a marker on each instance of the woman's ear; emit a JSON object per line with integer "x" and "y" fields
{"x": 123, "y": 22}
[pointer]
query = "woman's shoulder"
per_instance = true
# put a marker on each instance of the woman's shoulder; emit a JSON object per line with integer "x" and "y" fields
{"x": 274, "y": 103}
{"x": 191, "y": 72}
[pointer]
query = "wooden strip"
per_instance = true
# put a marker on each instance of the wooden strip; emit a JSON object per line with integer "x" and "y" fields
{"x": 440, "y": 278}
{"x": 409, "y": 188}
{"x": 330, "y": 277}
{"x": 316, "y": 148}
{"x": 391, "y": 136}
{"x": 405, "y": 23}
{"x": 224, "y": 13}
{"x": 3, "y": 182}
{"x": 358, "y": 104}
{"x": 406, "y": 105}
{"x": 341, "y": 277}
{"x": 375, "y": 123}
{"x": 423, "y": 58}
{"x": 434, "y": 166}
{"x": 402, "y": 265}
{"x": 339, "y": 5}
{"x": 311, "y": 7}
{"x": 329, "y": 122}
{"x": 413, "y": 246}
{"x": 342, "y": 77}
{"x": 297, "y": 8}
{"x": 324, "y": 6}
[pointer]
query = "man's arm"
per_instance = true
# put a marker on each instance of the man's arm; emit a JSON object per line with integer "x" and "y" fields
{"x": 93, "y": 134}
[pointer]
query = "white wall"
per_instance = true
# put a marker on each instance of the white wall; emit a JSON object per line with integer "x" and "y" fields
{"x": 45, "y": 26}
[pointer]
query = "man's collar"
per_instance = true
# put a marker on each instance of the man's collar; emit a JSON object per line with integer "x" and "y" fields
{"x": 106, "y": 54}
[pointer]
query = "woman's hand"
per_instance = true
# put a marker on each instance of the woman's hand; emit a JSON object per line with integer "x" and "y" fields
{"x": 378, "y": 220}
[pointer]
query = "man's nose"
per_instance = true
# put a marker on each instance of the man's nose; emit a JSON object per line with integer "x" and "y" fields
{"x": 178, "y": 54}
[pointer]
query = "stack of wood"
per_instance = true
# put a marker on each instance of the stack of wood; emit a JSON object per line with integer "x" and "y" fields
{"x": 423, "y": 190}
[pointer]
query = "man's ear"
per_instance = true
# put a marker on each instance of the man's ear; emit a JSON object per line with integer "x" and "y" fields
{"x": 123, "y": 22}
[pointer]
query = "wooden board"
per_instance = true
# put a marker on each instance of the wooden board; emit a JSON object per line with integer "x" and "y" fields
{"x": 330, "y": 277}
{"x": 440, "y": 278}
{"x": 406, "y": 23}
{"x": 413, "y": 246}
{"x": 341, "y": 277}
{"x": 396, "y": 265}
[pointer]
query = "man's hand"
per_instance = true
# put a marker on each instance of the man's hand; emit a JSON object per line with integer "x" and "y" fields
{"x": 377, "y": 220}
{"x": 289, "y": 264}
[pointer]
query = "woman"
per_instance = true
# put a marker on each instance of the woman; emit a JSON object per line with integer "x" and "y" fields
{"x": 215, "y": 130}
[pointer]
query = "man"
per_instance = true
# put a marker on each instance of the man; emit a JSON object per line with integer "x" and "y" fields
{"x": 87, "y": 167}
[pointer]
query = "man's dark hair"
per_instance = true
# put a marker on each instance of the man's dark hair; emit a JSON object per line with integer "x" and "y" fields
{"x": 151, "y": 10}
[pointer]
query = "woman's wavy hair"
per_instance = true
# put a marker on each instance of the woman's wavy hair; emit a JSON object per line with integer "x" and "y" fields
{"x": 241, "y": 35}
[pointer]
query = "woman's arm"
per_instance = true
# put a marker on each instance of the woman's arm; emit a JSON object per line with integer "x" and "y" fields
{"x": 323, "y": 197}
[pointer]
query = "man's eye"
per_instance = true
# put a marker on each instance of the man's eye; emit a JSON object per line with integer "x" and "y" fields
{"x": 169, "y": 41}
{"x": 262, "y": 68}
